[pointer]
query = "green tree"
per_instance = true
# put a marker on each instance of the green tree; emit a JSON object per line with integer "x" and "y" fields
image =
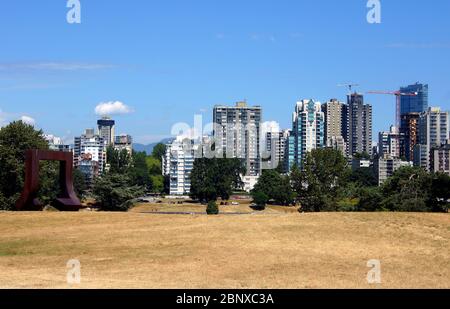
{"x": 159, "y": 151}
{"x": 138, "y": 173}
{"x": 79, "y": 183}
{"x": 166, "y": 185}
{"x": 212, "y": 208}
{"x": 114, "y": 192}
{"x": 49, "y": 182}
{"x": 260, "y": 199}
{"x": 409, "y": 189}
{"x": 364, "y": 177}
{"x": 280, "y": 168}
{"x": 15, "y": 139}
{"x": 154, "y": 166}
{"x": 322, "y": 180}
{"x": 369, "y": 199}
{"x": 363, "y": 155}
{"x": 4, "y": 202}
{"x": 440, "y": 193}
{"x": 157, "y": 183}
{"x": 275, "y": 186}
{"x": 119, "y": 160}
{"x": 296, "y": 179}
{"x": 214, "y": 178}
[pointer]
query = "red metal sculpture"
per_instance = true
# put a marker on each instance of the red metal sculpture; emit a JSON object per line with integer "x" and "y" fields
{"x": 67, "y": 199}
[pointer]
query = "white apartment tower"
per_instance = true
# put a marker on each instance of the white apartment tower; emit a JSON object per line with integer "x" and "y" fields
{"x": 237, "y": 134}
{"x": 434, "y": 127}
{"x": 389, "y": 143}
{"x": 308, "y": 129}
{"x": 276, "y": 147}
{"x": 178, "y": 163}
{"x": 91, "y": 146}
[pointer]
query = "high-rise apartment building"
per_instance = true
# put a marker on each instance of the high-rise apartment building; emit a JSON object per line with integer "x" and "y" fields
{"x": 434, "y": 127}
{"x": 289, "y": 152}
{"x": 123, "y": 142}
{"x": 409, "y": 131}
{"x": 414, "y": 104}
{"x": 237, "y": 134}
{"x": 276, "y": 147}
{"x": 335, "y": 113}
{"x": 90, "y": 151}
{"x": 385, "y": 167}
{"x": 359, "y": 130}
{"x": 308, "y": 129}
{"x": 336, "y": 123}
{"x": 389, "y": 143}
{"x": 56, "y": 144}
{"x": 106, "y": 130}
{"x": 440, "y": 159}
{"x": 178, "y": 164}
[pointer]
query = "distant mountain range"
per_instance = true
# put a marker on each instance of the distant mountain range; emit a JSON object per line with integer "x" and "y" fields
{"x": 149, "y": 148}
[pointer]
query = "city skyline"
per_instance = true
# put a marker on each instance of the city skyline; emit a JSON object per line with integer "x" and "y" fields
{"x": 147, "y": 58}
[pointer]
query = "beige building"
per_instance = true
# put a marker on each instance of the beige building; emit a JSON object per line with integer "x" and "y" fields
{"x": 237, "y": 134}
{"x": 386, "y": 166}
{"x": 335, "y": 124}
{"x": 434, "y": 127}
{"x": 440, "y": 159}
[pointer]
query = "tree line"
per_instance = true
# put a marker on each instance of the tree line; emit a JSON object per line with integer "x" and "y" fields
{"x": 127, "y": 177}
{"x": 325, "y": 183}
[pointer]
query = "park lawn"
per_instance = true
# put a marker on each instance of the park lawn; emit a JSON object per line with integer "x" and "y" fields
{"x": 271, "y": 249}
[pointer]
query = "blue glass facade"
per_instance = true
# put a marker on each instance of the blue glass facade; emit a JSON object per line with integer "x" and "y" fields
{"x": 414, "y": 104}
{"x": 308, "y": 131}
{"x": 289, "y": 153}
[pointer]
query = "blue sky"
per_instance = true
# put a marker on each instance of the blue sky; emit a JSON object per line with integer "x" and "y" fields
{"x": 170, "y": 59}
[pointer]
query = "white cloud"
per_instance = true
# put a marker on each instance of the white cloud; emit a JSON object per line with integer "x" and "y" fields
{"x": 270, "y": 126}
{"x": 112, "y": 108}
{"x": 28, "y": 120}
{"x": 419, "y": 45}
{"x": 6, "y": 118}
{"x": 53, "y": 66}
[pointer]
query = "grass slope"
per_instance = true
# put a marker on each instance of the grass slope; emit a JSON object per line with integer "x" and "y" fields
{"x": 266, "y": 250}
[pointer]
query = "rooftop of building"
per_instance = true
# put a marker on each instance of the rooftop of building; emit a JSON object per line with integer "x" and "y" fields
{"x": 238, "y": 105}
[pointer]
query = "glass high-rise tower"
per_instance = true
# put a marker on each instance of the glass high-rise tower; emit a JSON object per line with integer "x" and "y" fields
{"x": 308, "y": 129}
{"x": 410, "y": 109}
{"x": 414, "y": 104}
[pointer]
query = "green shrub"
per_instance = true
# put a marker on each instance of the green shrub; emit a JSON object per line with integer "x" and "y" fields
{"x": 347, "y": 205}
{"x": 212, "y": 208}
{"x": 370, "y": 199}
{"x": 260, "y": 199}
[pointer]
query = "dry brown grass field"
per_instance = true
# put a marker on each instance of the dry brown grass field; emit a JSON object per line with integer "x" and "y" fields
{"x": 277, "y": 248}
